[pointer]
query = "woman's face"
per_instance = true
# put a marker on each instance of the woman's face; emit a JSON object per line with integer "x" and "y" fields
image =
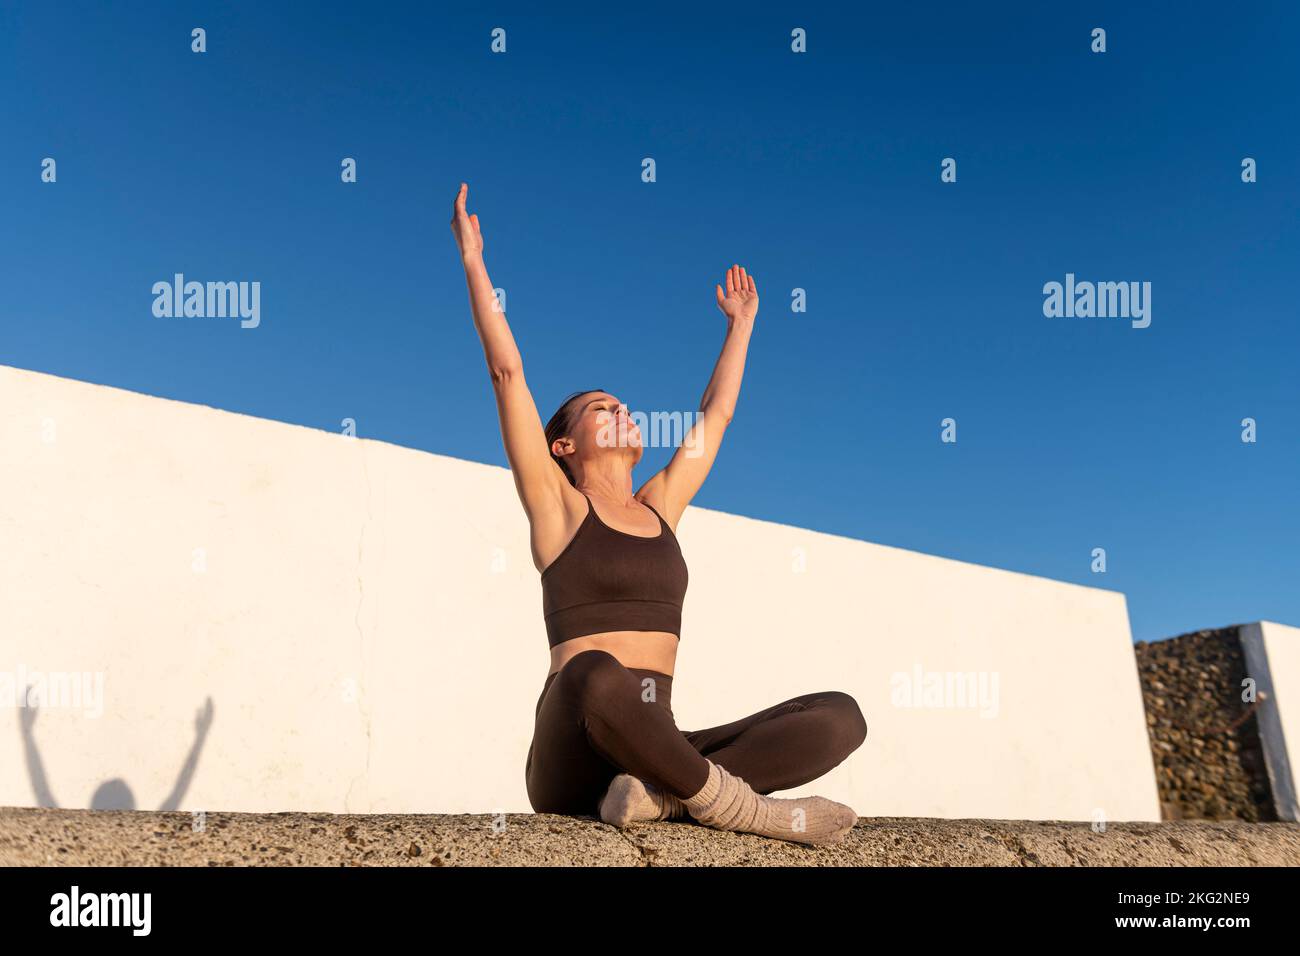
{"x": 604, "y": 423}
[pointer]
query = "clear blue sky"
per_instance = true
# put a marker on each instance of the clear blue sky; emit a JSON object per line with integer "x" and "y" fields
{"x": 818, "y": 171}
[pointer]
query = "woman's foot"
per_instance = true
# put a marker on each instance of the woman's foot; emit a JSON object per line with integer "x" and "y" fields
{"x": 630, "y": 799}
{"x": 726, "y": 802}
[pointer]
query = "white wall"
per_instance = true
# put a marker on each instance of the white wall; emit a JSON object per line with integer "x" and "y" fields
{"x": 367, "y": 622}
{"x": 1273, "y": 660}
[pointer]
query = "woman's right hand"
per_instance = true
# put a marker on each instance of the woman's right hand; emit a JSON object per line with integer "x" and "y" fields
{"x": 465, "y": 227}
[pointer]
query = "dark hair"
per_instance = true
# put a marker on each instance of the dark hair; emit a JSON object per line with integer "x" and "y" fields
{"x": 559, "y": 426}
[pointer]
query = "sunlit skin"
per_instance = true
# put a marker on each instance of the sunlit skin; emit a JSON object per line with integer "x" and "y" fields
{"x": 602, "y": 468}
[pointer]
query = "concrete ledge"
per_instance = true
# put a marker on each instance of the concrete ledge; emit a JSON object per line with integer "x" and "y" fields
{"x": 42, "y": 837}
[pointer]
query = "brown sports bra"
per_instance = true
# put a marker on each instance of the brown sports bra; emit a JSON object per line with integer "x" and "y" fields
{"x": 610, "y": 580}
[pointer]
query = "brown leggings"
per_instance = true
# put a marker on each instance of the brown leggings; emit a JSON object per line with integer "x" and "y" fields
{"x": 596, "y": 718}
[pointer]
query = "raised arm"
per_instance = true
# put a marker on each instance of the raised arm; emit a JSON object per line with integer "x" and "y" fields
{"x": 538, "y": 479}
{"x": 672, "y": 489}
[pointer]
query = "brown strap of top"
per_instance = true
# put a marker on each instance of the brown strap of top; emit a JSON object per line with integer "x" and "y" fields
{"x": 667, "y": 526}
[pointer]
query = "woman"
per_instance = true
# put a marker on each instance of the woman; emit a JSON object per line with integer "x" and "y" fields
{"x": 613, "y": 583}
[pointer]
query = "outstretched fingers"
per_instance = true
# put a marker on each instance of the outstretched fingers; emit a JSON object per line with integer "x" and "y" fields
{"x": 739, "y": 282}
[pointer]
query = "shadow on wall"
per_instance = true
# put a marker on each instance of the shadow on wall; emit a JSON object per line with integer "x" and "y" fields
{"x": 112, "y": 794}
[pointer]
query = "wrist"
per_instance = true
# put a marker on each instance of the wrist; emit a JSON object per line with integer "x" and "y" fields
{"x": 471, "y": 260}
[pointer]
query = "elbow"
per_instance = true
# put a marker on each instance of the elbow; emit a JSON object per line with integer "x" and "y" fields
{"x": 716, "y": 409}
{"x": 504, "y": 374}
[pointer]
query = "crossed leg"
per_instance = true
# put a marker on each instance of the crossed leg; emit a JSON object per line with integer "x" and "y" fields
{"x": 593, "y": 723}
{"x": 788, "y": 744}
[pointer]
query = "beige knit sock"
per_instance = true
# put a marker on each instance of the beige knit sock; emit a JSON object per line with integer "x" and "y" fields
{"x": 726, "y": 802}
{"x": 630, "y": 799}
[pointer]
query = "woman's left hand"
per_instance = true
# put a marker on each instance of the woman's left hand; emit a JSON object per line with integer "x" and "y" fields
{"x": 741, "y": 301}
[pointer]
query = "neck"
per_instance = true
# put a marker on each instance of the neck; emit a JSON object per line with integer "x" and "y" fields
{"x": 612, "y": 481}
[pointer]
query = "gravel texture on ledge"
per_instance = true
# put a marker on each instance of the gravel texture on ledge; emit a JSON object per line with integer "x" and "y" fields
{"x": 46, "y": 837}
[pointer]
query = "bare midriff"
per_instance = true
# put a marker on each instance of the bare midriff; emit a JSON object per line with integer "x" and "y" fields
{"x": 646, "y": 650}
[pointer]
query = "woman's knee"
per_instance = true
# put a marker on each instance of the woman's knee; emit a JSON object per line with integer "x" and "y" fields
{"x": 849, "y": 724}
{"x": 592, "y": 675}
